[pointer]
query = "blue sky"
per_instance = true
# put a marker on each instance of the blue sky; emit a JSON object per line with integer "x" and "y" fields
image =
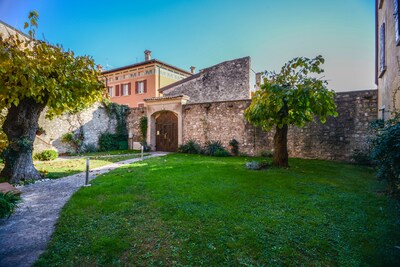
{"x": 205, "y": 32}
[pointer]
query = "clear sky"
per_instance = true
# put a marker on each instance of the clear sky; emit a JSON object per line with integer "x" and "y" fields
{"x": 205, "y": 32}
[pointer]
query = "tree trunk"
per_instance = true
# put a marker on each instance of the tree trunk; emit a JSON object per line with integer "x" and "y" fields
{"x": 20, "y": 127}
{"x": 281, "y": 158}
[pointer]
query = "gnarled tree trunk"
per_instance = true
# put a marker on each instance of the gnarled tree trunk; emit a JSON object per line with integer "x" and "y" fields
{"x": 20, "y": 127}
{"x": 281, "y": 158}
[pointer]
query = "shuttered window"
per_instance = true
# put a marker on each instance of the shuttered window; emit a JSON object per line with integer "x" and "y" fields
{"x": 117, "y": 90}
{"x": 125, "y": 89}
{"x": 141, "y": 87}
{"x": 396, "y": 20}
{"x": 382, "y": 49}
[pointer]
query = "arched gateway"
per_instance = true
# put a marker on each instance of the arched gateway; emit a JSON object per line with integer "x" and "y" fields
{"x": 167, "y": 131}
{"x": 164, "y": 116}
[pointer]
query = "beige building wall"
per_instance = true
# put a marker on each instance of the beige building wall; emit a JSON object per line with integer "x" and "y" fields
{"x": 388, "y": 80}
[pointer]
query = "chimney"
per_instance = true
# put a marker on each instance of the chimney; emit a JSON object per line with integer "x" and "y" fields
{"x": 100, "y": 67}
{"x": 147, "y": 55}
{"x": 258, "y": 78}
{"x": 192, "y": 69}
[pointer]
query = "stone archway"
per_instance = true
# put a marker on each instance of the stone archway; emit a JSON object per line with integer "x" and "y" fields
{"x": 165, "y": 111}
{"x": 166, "y": 131}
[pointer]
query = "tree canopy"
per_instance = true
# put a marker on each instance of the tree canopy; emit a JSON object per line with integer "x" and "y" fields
{"x": 33, "y": 75}
{"x": 30, "y": 68}
{"x": 294, "y": 96}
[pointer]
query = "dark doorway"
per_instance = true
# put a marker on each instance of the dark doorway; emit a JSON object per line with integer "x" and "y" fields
{"x": 167, "y": 132}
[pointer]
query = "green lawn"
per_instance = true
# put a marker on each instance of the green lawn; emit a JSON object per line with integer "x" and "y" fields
{"x": 113, "y": 152}
{"x": 62, "y": 168}
{"x": 189, "y": 210}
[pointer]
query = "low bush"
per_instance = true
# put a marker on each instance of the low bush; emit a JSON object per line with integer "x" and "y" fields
{"x": 221, "y": 153}
{"x": 385, "y": 152}
{"x": 362, "y": 157}
{"x": 8, "y": 203}
{"x": 46, "y": 155}
{"x": 90, "y": 148}
{"x": 234, "y": 147}
{"x": 212, "y": 147}
{"x": 109, "y": 142}
{"x": 190, "y": 147}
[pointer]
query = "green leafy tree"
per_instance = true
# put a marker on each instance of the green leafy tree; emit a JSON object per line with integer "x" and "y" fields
{"x": 294, "y": 96}
{"x": 35, "y": 75}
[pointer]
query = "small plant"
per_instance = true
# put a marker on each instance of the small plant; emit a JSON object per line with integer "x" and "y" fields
{"x": 256, "y": 165}
{"x": 234, "y": 147}
{"x": 8, "y": 203}
{"x": 190, "y": 147}
{"x": 212, "y": 147}
{"x": 46, "y": 155}
{"x": 221, "y": 153}
{"x": 75, "y": 140}
{"x": 90, "y": 148}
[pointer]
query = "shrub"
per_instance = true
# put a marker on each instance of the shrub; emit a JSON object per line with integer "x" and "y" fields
{"x": 213, "y": 146}
{"x": 362, "y": 157}
{"x": 90, "y": 148}
{"x": 46, "y": 155}
{"x": 234, "y": 147}
{"x": 256, "y": 165}
{"x": 8, "y": 203}
{"x": 109, "y": 141}
{"x": 385, "y": 152}
{"x": 221, "y": 153}
{"x": 190, "y": 147}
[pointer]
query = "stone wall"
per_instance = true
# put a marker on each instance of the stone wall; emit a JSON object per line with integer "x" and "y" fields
{"x": 337, "y": 139}
{"x": 228, "y": 80}
{"x": 132, "y": 122}
{"x": 93, "y": 121}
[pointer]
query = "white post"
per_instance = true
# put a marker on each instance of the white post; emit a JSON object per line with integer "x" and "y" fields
{"x": 142, "y": 152}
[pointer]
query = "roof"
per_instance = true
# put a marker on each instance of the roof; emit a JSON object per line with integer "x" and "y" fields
{"x": 151, "y": 61}
{"x": 14, "y": 29}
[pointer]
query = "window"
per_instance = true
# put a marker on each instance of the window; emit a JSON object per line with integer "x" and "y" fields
{"x": 396, "y": 21}
{"x": 382, "y": 50}
{"x": 140, "y": 105}
{"x": 110, "y": 91}
{"x": 125, "y": 89}
{"x": 141, "y": 87}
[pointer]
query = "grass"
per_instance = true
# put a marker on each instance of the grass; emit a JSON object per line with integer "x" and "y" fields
{"x": 104, "y": 153}
{"x": 187, "y": 210}
{"x": 61, "y": 168}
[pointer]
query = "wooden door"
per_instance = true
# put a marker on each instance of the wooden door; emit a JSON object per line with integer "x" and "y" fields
{"x": 167, "y": 132}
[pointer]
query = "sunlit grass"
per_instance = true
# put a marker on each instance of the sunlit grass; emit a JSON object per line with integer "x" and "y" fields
{"x": 189, "y": 210}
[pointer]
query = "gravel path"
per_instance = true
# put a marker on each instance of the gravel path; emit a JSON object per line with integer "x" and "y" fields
{"x": 24, "y": 236}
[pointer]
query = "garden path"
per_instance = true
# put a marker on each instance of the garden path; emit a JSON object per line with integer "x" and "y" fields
{"x": 24, "y": 236}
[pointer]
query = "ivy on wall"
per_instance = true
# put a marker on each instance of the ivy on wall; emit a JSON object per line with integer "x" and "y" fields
{"x": 118, "y": 140}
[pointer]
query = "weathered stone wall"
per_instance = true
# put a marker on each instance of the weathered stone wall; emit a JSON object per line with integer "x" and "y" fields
{"x": 94, "y": 121}
{"x": 228, "y": 80}
{"x": 132, "y": 122}
{"x": 337, "y": 139}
